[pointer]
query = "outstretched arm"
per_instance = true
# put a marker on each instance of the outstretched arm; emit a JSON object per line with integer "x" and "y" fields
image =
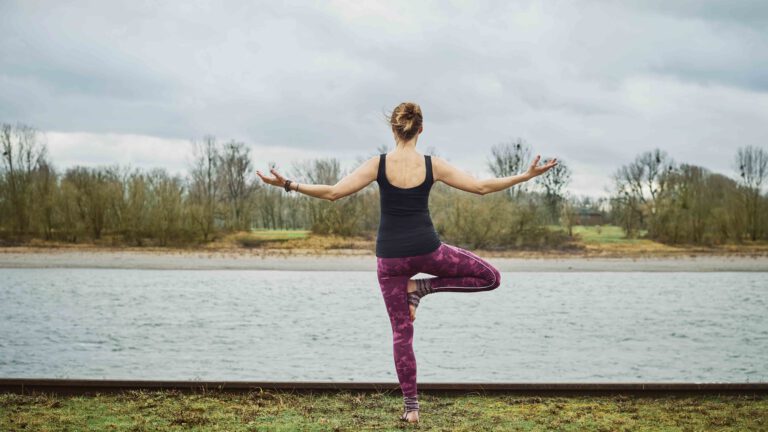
{"x": 453, "y": 176}
{"x": 361, "y": 177}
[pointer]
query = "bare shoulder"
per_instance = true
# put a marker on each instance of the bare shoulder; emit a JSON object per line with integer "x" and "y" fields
{"x": 440, "y": 167}
{"x": 373, "y": 161}
{"x": 370, "y": 166}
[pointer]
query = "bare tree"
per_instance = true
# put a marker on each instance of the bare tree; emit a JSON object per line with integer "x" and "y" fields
{"x": 509, "y": 159}
{"x": 205, "y": 186}
{"x": 22, "y": 154}
{"x": 90, "y": 195}
{"x": 693, "y": 198}
{"x": 236, "y": 172}
{"x": 132, "y": 204}
{"x": 554, "y": 183}
{"x": 752, "y": 165}
{"x": 569, "y": 215}
{"x": 45, "y": 191}
{"x": 637, "y": 187}
{"x": 342, "y": 217}
{"x": 167, "y": 205}
{"x": 320, "y": 171}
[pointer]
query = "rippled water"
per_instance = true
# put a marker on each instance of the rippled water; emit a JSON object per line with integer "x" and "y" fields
{"x": 282, "y": 326}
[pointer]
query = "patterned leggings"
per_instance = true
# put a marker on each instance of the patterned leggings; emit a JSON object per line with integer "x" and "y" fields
{"x": 456, "y": 269}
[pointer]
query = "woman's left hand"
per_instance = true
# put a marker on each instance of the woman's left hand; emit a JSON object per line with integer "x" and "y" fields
{"x": 535, "y": 170}
{"x": 277, "y": 180}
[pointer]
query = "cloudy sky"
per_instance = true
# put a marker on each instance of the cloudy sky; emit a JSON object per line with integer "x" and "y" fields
{"x": 592, "y": 83}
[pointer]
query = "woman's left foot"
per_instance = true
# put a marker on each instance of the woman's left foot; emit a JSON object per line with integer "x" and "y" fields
{"x": 410, "y": 416}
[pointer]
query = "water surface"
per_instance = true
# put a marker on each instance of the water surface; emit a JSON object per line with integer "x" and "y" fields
{"x": 332, "y": 326}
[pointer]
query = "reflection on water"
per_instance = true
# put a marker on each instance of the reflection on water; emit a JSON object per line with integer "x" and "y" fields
{"x": 283, "y": 326}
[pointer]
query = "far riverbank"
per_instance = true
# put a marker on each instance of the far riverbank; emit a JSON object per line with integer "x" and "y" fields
{"x": 350, "y": 260}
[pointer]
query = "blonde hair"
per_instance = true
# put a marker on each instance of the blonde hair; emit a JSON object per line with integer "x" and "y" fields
{"x": 406, "y": 119}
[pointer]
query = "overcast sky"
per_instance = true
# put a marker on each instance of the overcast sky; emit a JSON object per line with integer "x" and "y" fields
{"x": 592, "y": 83}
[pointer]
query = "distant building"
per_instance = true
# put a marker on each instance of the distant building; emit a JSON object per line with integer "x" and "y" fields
{"x": 590, "y": 217}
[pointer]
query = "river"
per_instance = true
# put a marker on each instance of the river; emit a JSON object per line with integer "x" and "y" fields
{"x": 332, "y": 326}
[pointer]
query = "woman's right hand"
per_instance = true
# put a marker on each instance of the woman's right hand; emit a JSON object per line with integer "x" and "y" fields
{"x": 277, "y": 180}
{"x": 535, "y": 170}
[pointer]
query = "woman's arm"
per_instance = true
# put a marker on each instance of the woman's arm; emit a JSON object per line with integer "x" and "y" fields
{"x": 453, "y": 176}
{"x": 361, "y": 177}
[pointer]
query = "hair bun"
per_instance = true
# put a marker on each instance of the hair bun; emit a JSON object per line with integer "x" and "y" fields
{"x": 406, "y": 119}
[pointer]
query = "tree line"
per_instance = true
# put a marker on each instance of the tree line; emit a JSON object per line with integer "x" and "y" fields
{"x": 681, "y": 203}
{"x": 220, "y": 194}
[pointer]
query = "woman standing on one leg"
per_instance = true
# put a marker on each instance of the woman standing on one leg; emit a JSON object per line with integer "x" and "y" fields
{"x": 407, "y": 242}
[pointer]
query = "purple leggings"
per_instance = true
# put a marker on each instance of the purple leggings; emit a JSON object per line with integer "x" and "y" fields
{"x": 456, "y": 269}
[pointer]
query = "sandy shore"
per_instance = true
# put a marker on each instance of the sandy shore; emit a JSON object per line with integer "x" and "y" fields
{"x": 347, "y": 261}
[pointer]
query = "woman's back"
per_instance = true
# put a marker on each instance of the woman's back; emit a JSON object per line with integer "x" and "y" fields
{"x": 406, "y": 227}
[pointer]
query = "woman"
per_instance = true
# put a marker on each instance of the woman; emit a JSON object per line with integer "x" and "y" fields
{"x": 407, "y": 243}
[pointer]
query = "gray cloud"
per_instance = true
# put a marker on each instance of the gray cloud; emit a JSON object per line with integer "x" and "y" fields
{"x": 593, "y": 83}
{"x": 744, "y": 13}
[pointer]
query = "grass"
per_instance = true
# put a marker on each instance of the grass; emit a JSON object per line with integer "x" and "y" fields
{"x": 290, "y": 240}
{"x": 260, "y": 237}
{"x": 589, "y": 241}
{"x": 605, "y": 234}
{"x": 345, "y": 410}
{"x": 610, "y": 240}
{"x": 266, "y": 234}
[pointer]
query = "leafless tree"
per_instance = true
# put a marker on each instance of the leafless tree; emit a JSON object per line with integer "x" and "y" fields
{"x": 637, "y": 187}
{"x": 22, "y": 153}
{"x": 205, "y": 185}
{"x": 45, "y": 190}
{"x": 569, "y": 215}
{"x": 752, "y": 166}
{"x": 236, "y": 173}
{"x": 554, "y": 182}
{"x": 167, "y": 205}
{"x": 90, "y": 196}
{"x": 509, "y": 159}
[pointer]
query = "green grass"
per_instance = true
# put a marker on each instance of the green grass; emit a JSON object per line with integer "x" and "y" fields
{"x": 605, "y": 234}
{"x": 346, "y": 410}
{"x": 264, "y": 234}
{"x": 256, "y": 238}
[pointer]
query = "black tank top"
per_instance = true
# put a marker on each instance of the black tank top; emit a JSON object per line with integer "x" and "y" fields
{"x": 406, "y": 227}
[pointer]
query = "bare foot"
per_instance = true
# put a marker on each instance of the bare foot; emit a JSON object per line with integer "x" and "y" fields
{"x": 412, "y": 288}
{"x": 412, "y": 417}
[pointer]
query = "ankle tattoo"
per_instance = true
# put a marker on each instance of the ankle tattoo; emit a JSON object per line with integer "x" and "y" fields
{"x": 423, "y": 287}
{"x": 411, "y": 403}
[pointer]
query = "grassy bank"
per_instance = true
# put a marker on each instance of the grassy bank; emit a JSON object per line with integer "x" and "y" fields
{"x": 282, "y": 410}
{"x": 588, "y": 241}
